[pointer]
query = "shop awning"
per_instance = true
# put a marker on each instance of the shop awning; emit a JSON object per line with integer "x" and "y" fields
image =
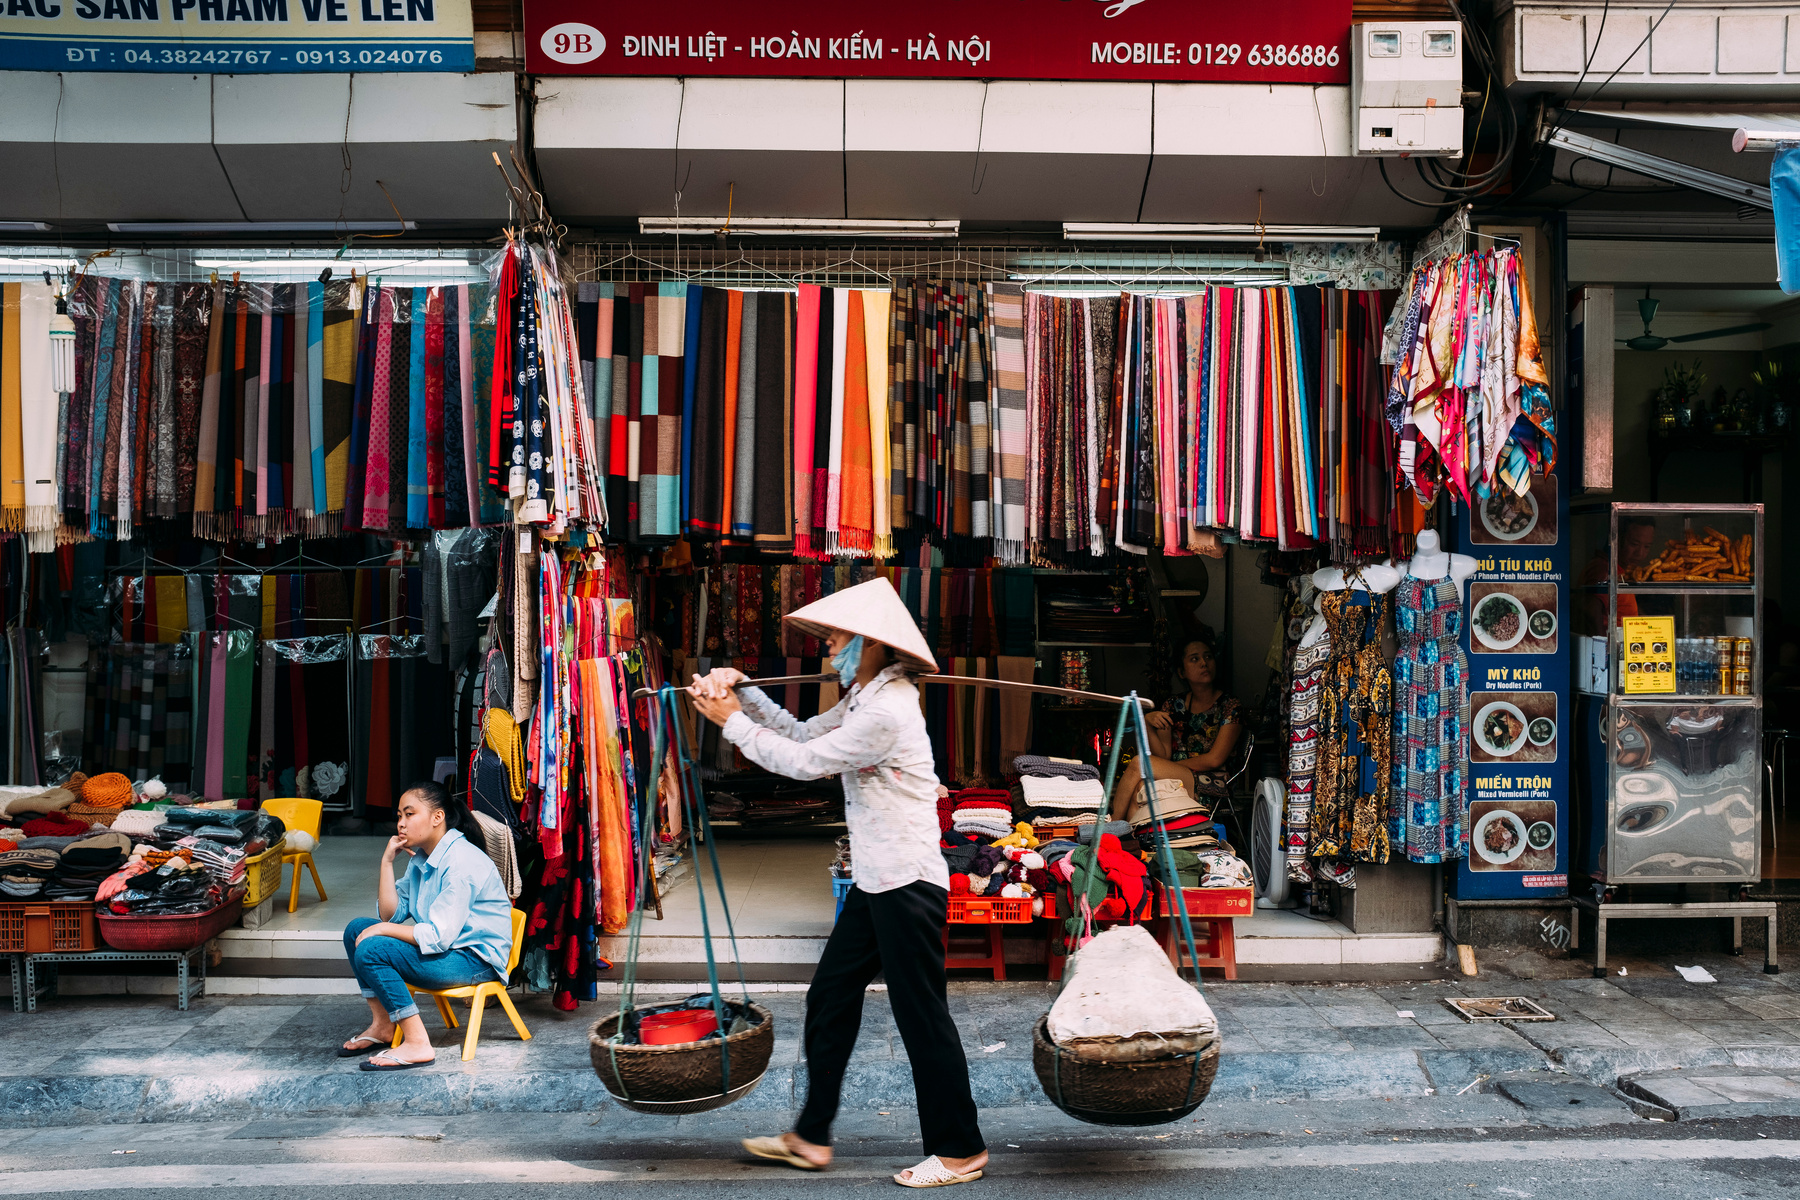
{"x": 611, "y": 150}
{"x": 105, "y": 147}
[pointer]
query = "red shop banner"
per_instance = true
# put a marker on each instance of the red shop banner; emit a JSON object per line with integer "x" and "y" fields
{"x": 1295, "y": 41}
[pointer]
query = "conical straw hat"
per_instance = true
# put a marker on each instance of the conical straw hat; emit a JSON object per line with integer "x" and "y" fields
{"x": 874, "y": 610}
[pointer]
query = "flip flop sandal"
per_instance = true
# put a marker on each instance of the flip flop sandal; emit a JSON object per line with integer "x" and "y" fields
{"x": 359, "y": 1051}
{"x": 385, "y": 1061}
{"x": 933, "y": 1173}
{"x": 777, "y": 1149}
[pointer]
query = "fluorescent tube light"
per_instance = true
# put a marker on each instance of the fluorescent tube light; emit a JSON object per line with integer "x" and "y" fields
{"x": 156, "y": 227}
{"x": 33, "y": 266}
{"x": 1095, "y": 231}
{"x": 277, "y": 266}
{"x": 1138, "y": 279}
{"x": 24, "y": 227}
{"x": 1652, "y": 166}
{"x": 797, "y": 227}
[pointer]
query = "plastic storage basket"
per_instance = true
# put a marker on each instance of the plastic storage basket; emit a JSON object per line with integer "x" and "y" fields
{"x": 262, "y": 875}
{"x": 47, "y": 927}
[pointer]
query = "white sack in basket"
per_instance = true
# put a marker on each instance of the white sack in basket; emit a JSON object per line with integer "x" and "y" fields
{"x": 1122, "y": 1000}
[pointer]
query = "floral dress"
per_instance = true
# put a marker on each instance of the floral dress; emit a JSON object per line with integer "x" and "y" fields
{"x": 1431, "y": 723}
{"x": 1192, "y": 734}
{"x": 1355, "y": 734}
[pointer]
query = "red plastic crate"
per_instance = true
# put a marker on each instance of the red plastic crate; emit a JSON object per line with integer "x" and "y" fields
{"x": 1210, "y": 902}
{"x": 990, "y": 910}
{"x": 42, "y": 928}
{"x": 170, "y": 933}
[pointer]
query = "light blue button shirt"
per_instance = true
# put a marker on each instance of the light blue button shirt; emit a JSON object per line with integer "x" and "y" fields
{"x": 456, "y": 902}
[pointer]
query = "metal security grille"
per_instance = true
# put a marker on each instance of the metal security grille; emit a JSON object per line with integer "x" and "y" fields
{"x": 748, "y": 265}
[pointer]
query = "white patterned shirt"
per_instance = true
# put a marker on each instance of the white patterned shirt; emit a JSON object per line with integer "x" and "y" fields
{"x": 874, "y": 740}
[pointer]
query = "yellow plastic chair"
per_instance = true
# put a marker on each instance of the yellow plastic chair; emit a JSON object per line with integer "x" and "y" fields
{"x": 300, "y": 816}
{"x": 477, "y": 995}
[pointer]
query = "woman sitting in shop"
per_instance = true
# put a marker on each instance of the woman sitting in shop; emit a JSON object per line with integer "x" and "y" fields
{"x": 893, "y": 920}
{"x": 1191, "y": 736}
{"x": 461, "y": 930}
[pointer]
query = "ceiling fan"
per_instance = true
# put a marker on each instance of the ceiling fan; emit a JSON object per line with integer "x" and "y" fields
{"x": 1649, "y": 341}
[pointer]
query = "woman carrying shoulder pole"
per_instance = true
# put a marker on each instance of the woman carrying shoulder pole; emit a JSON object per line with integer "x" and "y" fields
{"x": 892, "y": 924}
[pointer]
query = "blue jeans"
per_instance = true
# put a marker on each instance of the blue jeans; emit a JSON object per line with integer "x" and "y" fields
{"x": 385, "y": 965}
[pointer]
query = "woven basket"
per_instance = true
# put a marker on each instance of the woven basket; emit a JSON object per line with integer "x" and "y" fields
{"x": 1114, "y": 1093}
{"x": 682, "y": 1078}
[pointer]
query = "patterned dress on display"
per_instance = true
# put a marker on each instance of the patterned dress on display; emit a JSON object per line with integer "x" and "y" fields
{"x": 1431, "y": 692}
{"x": 1303, "y": 754}
{"x": 1355, "y": 739}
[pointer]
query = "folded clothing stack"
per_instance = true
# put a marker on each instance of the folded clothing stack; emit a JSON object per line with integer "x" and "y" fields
{"x": 55, "y": 824}
{"x": 1054, "y": 768}
{"x": 24, "y": 872}
{"x": 1119, "y": 829}
{"x": 1048, "y": 795}
{"x": 85, "y": 864}
{"x": 173, "y": 889}
{"x": 1060, "y": 818}
{"x": 982, "y": 811}
{"x": 137, "y": 822}
{"x": 224, "y": 863}
{"x": 1194, "y": 831}
{"x": 1171, "y": 800}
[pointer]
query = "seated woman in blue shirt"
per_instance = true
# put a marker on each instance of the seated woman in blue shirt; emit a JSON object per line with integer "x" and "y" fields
{"x": 461, "y": 931}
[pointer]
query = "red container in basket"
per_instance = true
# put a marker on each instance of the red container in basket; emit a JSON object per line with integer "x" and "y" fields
{"x": 674, "y": 1028}
{"x": 170, "y": 933}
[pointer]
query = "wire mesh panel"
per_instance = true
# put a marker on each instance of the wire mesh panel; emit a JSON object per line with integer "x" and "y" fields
{"x": 704, "y": 261}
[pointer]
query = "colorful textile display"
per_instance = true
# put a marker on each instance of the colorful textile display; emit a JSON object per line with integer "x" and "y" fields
{"x": 1468, "y": 399}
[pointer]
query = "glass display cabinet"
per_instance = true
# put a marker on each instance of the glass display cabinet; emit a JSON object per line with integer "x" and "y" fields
{"x": 1669, "y": 658}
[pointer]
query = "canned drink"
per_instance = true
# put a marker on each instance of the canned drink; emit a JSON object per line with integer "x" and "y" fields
{"x": 1725, "y": 648}
{"x": 1743, "y": 652}
{"x": 1740, "y": 681}
{"x": 1727, "y": 684}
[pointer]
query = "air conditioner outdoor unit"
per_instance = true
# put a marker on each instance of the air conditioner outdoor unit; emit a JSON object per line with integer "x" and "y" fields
{"x": 1406, "y": 88}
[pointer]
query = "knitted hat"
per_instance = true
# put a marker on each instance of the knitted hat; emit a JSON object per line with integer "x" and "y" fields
{"x": 111, "y": 790}
{"x": 874, "y": 611}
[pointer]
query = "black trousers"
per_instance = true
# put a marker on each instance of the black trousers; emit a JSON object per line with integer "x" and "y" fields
{"x": 898, "y": 934}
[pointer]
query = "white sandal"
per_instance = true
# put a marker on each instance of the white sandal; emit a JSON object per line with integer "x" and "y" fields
{"x": 933, "y": 1173}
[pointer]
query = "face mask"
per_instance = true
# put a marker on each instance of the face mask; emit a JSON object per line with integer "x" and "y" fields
{"x": 846, "y": 661}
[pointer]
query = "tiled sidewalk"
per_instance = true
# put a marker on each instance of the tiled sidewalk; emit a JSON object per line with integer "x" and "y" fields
{"x": 85, "y": 1060}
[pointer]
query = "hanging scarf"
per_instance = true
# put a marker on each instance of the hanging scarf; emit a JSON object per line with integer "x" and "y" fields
{"x": 856, "y": 513}
{"x": 1007, "y": 420}
{"x": 773, "y": 511}
{"x": 805, "y": 405}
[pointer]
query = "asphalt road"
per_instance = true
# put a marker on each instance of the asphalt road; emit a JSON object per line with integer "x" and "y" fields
{"x": 567, "y": 1156}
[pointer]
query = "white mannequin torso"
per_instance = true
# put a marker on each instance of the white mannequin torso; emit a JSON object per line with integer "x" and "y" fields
{"x": 1375, "y": 578}
{"x": 1430, "y": 561}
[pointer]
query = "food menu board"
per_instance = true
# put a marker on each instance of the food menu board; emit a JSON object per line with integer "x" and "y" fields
{"x": 1647, "y": 657}
{"x": 1515, "y": 634}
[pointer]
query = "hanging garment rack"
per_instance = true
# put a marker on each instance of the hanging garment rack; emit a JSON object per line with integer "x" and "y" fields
{"x": 944, "y": 680}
